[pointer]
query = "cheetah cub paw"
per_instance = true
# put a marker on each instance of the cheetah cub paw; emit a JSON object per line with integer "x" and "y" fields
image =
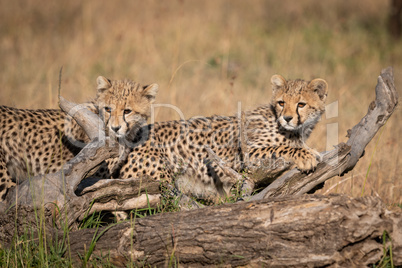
{"x": 308, "y": 160}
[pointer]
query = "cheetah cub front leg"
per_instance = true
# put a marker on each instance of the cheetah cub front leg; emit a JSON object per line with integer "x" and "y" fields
{"x": 306, "y": 159}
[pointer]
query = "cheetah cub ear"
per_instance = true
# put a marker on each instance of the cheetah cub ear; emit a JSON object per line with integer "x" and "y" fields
{"x": 278, "y": 82}
{"x": 320, "y": 87}
{"x": 103, "y": 84}
{"x": 150, "y": 92}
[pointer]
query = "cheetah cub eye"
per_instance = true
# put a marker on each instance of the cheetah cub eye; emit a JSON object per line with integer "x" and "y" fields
{"x": 301, "y": 104}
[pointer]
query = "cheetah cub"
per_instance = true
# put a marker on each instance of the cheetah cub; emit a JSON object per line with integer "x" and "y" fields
{"x": 167, "y": 150}
{"x": 34, "y": 142}
{"x": 297, "y": 106}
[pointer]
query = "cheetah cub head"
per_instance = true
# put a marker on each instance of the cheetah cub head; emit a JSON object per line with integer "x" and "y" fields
{"x": 298, "y": 104}
{"x": 124, "y": 105}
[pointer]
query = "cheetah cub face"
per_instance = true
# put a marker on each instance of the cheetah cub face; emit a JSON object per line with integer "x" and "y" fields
{"x": 298, "y": 104}
{"x": 124, "y": 105}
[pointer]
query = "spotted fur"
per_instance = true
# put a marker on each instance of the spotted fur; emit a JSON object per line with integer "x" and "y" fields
{"x": 34, "y": 142}
{"x": 169, "y": 150}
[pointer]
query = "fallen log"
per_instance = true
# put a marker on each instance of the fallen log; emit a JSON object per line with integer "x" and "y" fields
{"x": 298, "y": 231}
{"x": 293, "y": 231}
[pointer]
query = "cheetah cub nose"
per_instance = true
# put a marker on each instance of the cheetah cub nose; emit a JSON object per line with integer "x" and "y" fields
{"x": 288, "y": 118}
{"x": 115, "y": 129}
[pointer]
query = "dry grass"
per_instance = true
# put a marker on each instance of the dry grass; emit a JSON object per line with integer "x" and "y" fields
{"x": 208, "y": 55}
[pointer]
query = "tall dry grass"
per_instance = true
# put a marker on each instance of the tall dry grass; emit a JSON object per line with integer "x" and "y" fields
{"x": 209, "y": 55}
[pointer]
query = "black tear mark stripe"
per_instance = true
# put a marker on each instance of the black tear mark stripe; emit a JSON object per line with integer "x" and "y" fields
{"x": 298, "y": 117}
{"x": 107, "y": 120}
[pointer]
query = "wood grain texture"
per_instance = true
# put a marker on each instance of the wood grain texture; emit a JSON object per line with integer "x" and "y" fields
{"x": 298, "y": 231}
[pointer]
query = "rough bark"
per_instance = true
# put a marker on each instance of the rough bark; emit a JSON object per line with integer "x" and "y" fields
{"x": 298, "y": 231}
{"x": 303, "y": 231}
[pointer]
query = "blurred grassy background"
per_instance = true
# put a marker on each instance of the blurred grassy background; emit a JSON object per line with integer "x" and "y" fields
{"x": 208, "y": 55}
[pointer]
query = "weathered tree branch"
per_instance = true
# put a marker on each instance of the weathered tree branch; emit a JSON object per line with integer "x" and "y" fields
{"x": 92, "y": 125}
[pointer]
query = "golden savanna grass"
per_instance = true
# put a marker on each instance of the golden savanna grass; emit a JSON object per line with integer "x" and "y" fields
{"x": 207, "y": 56}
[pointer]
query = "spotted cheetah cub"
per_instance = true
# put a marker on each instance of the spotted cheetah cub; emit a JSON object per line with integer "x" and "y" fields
{"x": 34, "y": 142}
{"x": 168, "y": 149}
